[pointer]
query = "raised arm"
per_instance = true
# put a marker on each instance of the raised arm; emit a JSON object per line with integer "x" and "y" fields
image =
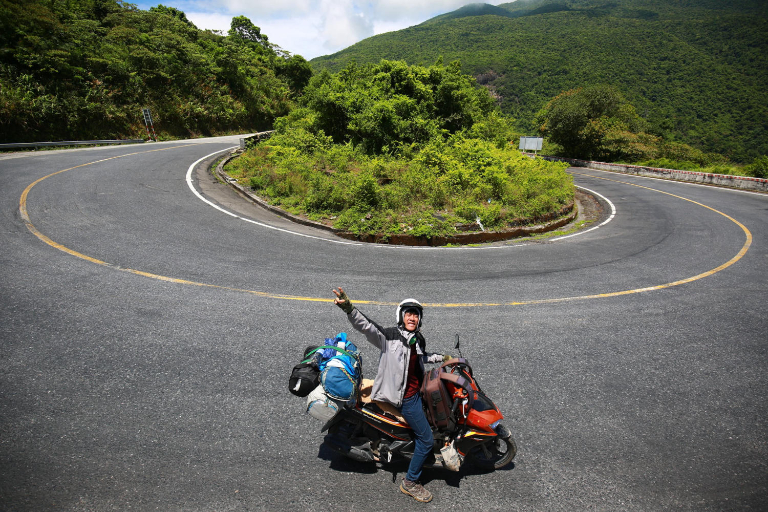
{"x": 360, "y": 322}
{"x": 342, "y": 300}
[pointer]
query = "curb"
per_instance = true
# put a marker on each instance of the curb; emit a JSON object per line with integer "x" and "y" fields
{"x": 260, "y": 202}
{"x": 565, "y": 216}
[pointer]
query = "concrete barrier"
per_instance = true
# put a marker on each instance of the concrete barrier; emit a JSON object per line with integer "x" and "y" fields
{"x": 256, "y": 137}
{"x": 721, "y": 180}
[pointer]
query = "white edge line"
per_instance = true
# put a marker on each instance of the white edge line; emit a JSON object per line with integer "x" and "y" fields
{"x": 606, "y": 221}
{"x": 383, "y": 246}
{"x": 214, "y": 205}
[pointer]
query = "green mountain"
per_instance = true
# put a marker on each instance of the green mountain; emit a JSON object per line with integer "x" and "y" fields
{"x": 697, "y": 70}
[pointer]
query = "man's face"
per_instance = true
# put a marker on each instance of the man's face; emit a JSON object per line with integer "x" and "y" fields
{"x": 411, "y": 320}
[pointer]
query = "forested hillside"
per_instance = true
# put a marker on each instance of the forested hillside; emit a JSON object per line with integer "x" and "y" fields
{"x": 696, "y": 70}
{"x": 84, "y": 69}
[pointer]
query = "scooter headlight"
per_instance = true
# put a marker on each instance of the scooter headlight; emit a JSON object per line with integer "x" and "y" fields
{"x": 494, "y": 424}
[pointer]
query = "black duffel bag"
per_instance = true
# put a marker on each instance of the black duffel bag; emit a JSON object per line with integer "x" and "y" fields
{"x": 305, "y": 376}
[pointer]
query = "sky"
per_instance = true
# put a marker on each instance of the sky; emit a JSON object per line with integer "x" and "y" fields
{"x": 312, "y": 28}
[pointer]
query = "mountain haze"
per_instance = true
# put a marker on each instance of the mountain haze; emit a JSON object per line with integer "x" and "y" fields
{"x": 697, "y": 70}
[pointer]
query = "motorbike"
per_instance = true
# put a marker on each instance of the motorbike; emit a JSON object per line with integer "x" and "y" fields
{"x": 374, "y": 432}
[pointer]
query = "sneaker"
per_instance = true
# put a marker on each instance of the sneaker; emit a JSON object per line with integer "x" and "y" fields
{"x": 416, "y": 490}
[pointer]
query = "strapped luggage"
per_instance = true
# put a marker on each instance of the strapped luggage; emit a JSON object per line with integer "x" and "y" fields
{"x": 438, "y": 392}
{"x": 320, "y": 406}
{"x": 305, "y": 376}
{"x": 337, "y": 365}
{"x": 341, "y": 374}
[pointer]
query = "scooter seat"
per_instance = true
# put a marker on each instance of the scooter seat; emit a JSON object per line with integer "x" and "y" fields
{"x": 365, "y": 397}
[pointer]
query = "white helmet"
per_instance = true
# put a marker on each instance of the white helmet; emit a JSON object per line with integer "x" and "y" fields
{"x": 406, "y": 305}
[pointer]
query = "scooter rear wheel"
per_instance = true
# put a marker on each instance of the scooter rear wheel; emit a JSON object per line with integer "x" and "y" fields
{"x": 495, "y": 454}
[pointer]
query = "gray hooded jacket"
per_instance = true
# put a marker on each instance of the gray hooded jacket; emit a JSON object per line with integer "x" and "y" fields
{"x": 394, "y": 344}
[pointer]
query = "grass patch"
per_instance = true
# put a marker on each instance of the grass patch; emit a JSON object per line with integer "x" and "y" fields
{"x": 442, "y": 189}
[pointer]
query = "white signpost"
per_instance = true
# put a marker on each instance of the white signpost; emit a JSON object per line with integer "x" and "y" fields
{"x": 531, "y": 144}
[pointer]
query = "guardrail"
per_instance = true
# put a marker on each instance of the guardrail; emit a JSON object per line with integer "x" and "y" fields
{"x": 256, "y": 137}
{"x": 20, "y": 145}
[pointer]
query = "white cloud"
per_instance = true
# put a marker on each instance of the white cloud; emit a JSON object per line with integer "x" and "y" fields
{"x": 315, "y": 27}
{"x": 210, "y": 20}
{"x": 342, "y": 24}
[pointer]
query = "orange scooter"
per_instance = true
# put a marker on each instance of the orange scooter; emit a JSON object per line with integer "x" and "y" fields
{"x": 466, "y": 424}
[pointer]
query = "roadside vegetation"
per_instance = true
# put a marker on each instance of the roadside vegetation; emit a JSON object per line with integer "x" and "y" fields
{"x": 391, "y": 148}
{"x": 85, "y": 69}
{"x": 598, "y": 123}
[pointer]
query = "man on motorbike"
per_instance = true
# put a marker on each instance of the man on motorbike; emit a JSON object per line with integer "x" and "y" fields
{"x": 399, "y": 376}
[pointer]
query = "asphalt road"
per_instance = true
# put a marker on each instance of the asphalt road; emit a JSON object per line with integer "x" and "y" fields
{"x": 146, "y": 339}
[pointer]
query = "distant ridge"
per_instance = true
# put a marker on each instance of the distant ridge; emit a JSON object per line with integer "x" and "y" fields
{"x": 697, "y": 70}
{"x": 493, "y": 10}
{"x": 476, "y": 10}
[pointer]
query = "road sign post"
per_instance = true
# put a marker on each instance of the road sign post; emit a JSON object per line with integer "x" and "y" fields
{"x": 531, "y": 144}
{"x": 148, "y": 123}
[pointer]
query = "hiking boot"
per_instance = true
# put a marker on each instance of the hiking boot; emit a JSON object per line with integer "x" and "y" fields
{"x": 416, "y": 490}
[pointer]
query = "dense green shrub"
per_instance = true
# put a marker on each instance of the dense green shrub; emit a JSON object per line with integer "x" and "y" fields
{"x": 758, "y": 168}
{"x": 597, "y": 123}
{"x": 594, "y": 123}
{"x": 380, "y": 108}
{"x": 393, "y": 149}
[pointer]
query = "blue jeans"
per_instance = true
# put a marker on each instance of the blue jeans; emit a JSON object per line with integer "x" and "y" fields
{"x": 413, "y": 412}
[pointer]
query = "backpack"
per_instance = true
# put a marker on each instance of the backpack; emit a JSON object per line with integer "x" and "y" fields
{"x": 336, "y": 365}
{"x": 438, "y": 391}
{"x": 341, "y": 374}
{"x": 305, "y": 376}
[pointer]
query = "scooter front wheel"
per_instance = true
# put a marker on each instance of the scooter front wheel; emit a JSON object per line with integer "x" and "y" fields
{"x": 494, "y": 454}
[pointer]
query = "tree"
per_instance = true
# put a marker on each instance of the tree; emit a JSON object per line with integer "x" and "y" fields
{"x": 296, "y": 71}
{"x": 587, "y": 122}
{"x": 383, "y": 106}
{"x": 241, "y": 28}
{"x": 173, "y": 12}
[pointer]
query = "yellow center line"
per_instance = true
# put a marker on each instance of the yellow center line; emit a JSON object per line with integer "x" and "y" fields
{"x": 47, "y": 240}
